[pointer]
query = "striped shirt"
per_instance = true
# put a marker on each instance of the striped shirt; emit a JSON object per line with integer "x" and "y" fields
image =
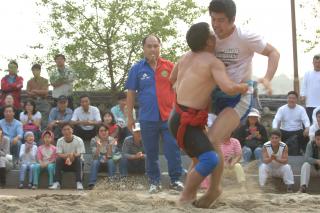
{"x": 231, "y": 148}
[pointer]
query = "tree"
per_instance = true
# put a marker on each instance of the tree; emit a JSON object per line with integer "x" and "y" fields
{"x": 102, "y": 38}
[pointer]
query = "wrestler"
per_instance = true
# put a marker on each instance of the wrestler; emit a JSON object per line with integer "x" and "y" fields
{"x": 195, "y": 76}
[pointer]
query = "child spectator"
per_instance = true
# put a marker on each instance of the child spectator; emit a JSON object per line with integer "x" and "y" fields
{"x": 4, "y": 151}
{"x": 46, "y": 156}
{"x": 110, "y": 122}
{"x": 28, "y": 155}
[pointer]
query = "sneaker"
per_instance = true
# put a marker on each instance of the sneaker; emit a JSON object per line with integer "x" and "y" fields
{"x": 90, "y": 186}
{"x": 29, "y": 186}
{"x": 20, "y": 186}
{"x": 303, "y": 189}
{"x": 55, "y": 185}
{"x": 289, "y": 188}
{"x": 154, "y": 189}
{"x": 79, "y": 186}
{"x": 177, "y": 186}
{"x": 34, "y": 187}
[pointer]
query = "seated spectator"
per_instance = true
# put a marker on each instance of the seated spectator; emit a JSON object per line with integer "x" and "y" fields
{"x": 59, "y": 115}
{"x": 86, "y": 118}
{"x": 314, "y": 114}
{"x": 9, "y": 101}
{"x": 312, "y": 164}
{"x": 4, "y": 151}
{"x": 37, "y": 89}
{"x": 12, "y": 128}
{"x": 103, "y": 146}
{"x": 133, "y": 152}
{"x": 252, "y": 136}
{"x": 46, "y": 157}
{"x": 31, "y": 119}
{"x": 12, "y": 84}
{"x": 292, "y": 118}
{"x": 120, "y": 113}
{"x": 315, "y": 126}
{"x": 275, "y": 161}
{"x": 69, "y": 150}
{"x": 110, "y": 123}
{"x": 28, "y": 156}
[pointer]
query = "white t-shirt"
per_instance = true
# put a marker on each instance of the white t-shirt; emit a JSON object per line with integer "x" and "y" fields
{"x": 278, "y": 155}
{"x": 310, "y": 88}
{"x": 291, "y": 119}
{"x": 236, "y": 52}
{"x": 93, "y": 114}
{"x": 24, "y": 117}
{"x": 76, "y": 146}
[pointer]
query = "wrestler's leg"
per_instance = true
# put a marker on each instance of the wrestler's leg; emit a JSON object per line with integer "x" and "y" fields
{"x": 226, "y": 122}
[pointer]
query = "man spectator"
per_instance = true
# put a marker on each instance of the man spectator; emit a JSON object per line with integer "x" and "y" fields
{"x": 62, "y": 80}
{"x": 312, "y": 164}
{"x": 311, "y": 87}
{"x": 150, "y": 79}
{"x": 37, "y": 89}
{"x": 59, "y": 115}
{"x": 69, "y": 151}
{"x": 12, "y": 128}
{"x": 12, "y": 84}
{"x": 275, "y": 161}
{"x": 133, "y": 153}
{"x": 315, "y": 126}
{"x": 292, "y": 118}
{"x": 9, "y": 101}
{"x": 86, "y": 118}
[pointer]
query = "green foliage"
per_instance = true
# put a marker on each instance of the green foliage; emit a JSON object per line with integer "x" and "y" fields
{"x": 102, "y": 38}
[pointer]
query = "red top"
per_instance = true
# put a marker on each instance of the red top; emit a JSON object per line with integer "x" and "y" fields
{"x": 112, "y": 129}
{"x": 164, "y": 91}
{"x": 12, "y": 88}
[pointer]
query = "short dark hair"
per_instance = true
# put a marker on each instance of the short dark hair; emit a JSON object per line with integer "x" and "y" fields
{"x": 276, "y": 132}
{"x": 228, "y": 7}
{"x": 84, "y": 96}
{"x": 66, "y": 124}
{"x": 316, "y": 57}
{"x": 13, "y": 62}
{"x": 59, "y": 55}
{"x": 145, "y": 38}
{"x": 293, "y": 93}
{"x": 99, "y": 126}
{"x": 122, "y": 95}
{"x": 317, "y": 133}
{"x": 197, "y": 36}
{"x": 8, "y": 106}
{"x": 36, "y": 67}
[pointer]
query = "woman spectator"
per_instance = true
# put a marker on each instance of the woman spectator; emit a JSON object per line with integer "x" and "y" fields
{"x": 4, "y": 151}
{"x": 103, "y": 150}
{"x": 31, "y": 119}
{"x": 110, "y": 122}
{"x": 252, "y": 135}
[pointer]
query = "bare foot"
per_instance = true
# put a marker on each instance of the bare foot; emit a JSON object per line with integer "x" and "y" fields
{"x": 208, "y": 199}
{"x": 186, "y": 200}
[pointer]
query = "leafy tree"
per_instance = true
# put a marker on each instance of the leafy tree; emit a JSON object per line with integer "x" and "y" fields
{"x": 102, "y": 38}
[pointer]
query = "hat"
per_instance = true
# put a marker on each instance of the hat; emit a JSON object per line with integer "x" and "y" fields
{"x": 62, "y": 98}
{"x": 28, "y": 133}
{"x": 47, "y": 132}
{"x": 254, "y": 113}
{"x": 136, "y": 127}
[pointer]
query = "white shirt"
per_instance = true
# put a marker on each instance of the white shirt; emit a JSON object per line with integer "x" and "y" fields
{"x": 24, "y": 117}
{"x": 311, "y": 88}
{"x": 93, "y": 114}
{"x": 278, "y": 155}
{"x": 291, "y": 119}
{"x": 236, "y": 52}
{"x": 313, "y": 128}
{"x": 76, "y": 146}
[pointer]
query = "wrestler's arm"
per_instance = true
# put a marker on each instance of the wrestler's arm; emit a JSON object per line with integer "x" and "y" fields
{"x": 220, "y": 76}
{"x": 174, "y": 74}
{"x": 273, "y": 60}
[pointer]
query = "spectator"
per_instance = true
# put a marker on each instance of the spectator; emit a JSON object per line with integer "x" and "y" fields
{"x": 311, "y": 87}
{"x": 46, "y": 157}
{"x": 85, "y": 118}
{"x": 312, "y": 164}
{"x": 110, "y": 122}
{"x": 59, "y": 115}
{"x": 12, "y": 128}
{"x": 314, "y": 113}
{"x": 275, "y": 161}
{"x": 103, "y": 146}
{"x": 315, "y": 126}
{"x": 150, "y": 79}
{"x": 12, "y": 84}
{"x": 4, "y": 151}
{"x": 9, "y": 101}
{"x": 120, "y": 113}
{"x": 69, "y": 151}
{"x": 31, "y": 119}
{"x": 62, "y": 80}
{"x": 37, "y": 89}
{"x": 252, "y": 136}
{"x": 292, "y": 118}
{"x": 133, "y": 152}
{"x": 28, "y": 156}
